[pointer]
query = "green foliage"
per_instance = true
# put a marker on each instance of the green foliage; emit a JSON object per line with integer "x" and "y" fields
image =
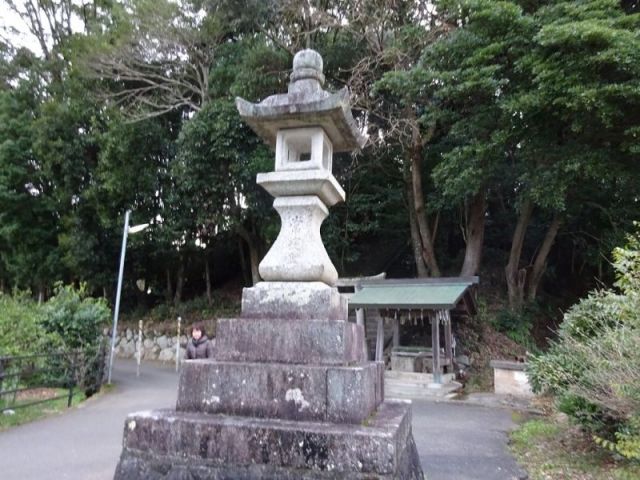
{"x": 76, "y": 318}
{"x": 593, "y": 369}
{"x": 516, "y": 325}
{"x": 21, "y": 327}
{"x": 552, "y": 448}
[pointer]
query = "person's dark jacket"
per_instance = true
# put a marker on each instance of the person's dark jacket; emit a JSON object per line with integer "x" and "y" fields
{"x": 201, "y": 348}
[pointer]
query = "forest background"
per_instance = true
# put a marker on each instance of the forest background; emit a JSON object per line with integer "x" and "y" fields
{"x": 504, "y": 142}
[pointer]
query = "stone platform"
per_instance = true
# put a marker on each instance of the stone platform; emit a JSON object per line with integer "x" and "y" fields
{"x": 289, "y": 397}
{"x": 274, "y": 390}
{"x": 173, "y": 445}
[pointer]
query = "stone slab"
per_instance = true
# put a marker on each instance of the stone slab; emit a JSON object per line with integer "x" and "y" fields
{"x": 303, "y": 182}
{"x": 320, "y": 342}
{"x": 507, "y": 381}
{"x": 294, "y": 301}
{"x": 285, "y": 391}
{"x": 168, "y": 445}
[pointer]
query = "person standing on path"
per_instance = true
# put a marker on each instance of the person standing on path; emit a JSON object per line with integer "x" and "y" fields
{"x": 199, "y": 346}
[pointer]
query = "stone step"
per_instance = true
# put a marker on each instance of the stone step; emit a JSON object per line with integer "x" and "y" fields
{"x": 414, "y": 377}
{"x": 166, "y": 445}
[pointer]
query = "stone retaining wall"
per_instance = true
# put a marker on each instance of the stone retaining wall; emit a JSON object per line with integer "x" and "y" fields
{"x": 155, "y": 345}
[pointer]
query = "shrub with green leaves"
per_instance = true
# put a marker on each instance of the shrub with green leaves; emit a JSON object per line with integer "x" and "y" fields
{"x": 593, "y": 369}
{"x": 21, "y": 329}
{"x": 77, "y": 318}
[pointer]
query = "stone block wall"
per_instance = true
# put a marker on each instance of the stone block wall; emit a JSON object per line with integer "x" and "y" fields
{"x": 155, "y": 345}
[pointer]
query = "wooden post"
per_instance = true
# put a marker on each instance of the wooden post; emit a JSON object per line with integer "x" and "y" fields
{"x": 448, "y": 348}
{"x": 359, "y": 311}
{"x": 435, "y": 346}
{"x": 380, "y": 339}
{"x": 396, "y": 331}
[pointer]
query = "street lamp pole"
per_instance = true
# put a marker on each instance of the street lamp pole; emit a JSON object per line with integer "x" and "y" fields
{"x": 117, "y": 306}
{"x": 125, "y": 232}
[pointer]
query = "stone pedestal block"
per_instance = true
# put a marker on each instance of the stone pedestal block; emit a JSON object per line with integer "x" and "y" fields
{"x": 298, "y": 254}
{"x": 177, "y": 445}
{"x": 292, "y": 392}
{"x": 294, "y": 301}
{"x": 320, "y": 342}
{"x": 295, "y": 183}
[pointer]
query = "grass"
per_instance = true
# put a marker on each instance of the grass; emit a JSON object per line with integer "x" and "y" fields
{"x": 549, "y": 448}
{"x": 40, "y": 410}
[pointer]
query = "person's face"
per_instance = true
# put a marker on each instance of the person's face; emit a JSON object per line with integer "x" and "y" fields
{"x": 196, "y": 334}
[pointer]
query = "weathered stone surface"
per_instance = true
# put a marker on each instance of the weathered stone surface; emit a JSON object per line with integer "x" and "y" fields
{"x": 298, "y": 254}
{"x": 510, "y": 378}
{"x": 162, "y": 341}
{"x": 167, "y": 355}
{"x": 351, "y": 393}
{"x": 305, "y": 104}
{"x": 380, "y": 385}
{"x": 320, "y": 183}
{"x": 286, "y": 391}
{"x": 321, "y": 342}
{"x": 293, "y": 301}
{"x": 169, "y": 445}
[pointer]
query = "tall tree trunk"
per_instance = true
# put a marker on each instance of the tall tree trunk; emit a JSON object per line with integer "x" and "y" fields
{"x": 207, "y": 277}
{"x": 40, "y": 294}
{"x": 516, "y": 277}
{"x": 179, "y": 281}
{"x": 474, "y": 234}
{"x": 428, "y": 252}
{"x": 243, "y": 263}
{"x": 169, "y": 291}
{"x": 254, "y": 255}
{"x": 416, "y": 242}
{"x": 540, "y": 264}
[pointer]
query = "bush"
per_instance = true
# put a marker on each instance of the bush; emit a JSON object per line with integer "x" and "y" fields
{"x": 77, "y": 318}
{"x": 21, "y": 328}
{"x": 593, "y": 369}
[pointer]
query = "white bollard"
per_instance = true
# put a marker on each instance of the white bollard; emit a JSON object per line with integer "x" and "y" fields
{"x": 139, "y": 348}
{"x": 178, "y": 345}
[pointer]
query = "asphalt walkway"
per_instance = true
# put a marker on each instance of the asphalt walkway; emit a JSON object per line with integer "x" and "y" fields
{"x": 455, "y": 442}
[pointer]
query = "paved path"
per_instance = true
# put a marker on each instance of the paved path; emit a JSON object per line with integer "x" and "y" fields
{"x": 455, "y": 442}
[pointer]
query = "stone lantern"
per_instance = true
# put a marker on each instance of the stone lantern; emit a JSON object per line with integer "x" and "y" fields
{"x": 305, "y": 125}
{"x": 290, "y": 393}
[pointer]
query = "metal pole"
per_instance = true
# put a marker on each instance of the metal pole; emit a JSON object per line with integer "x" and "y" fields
{"x": 178, "y": 345}
{"x": 117, "y": 307}
{"x": 139, "y": 348}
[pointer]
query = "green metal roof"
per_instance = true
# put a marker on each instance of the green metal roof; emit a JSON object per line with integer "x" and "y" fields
{"x": 412, "y": 294}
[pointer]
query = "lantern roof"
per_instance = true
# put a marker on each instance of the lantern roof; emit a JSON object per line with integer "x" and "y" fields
{"x": 305, "y": 104}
